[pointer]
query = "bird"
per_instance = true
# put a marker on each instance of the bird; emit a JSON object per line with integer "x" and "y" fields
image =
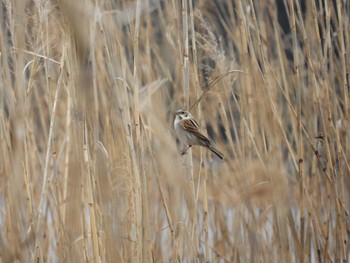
{"x": 188, "y": 131}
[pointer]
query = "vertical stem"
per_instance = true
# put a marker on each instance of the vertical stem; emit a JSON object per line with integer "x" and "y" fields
{"x": 194, "y": 46}
{"x": 90, "y": 198}
{"x": 206, "y": 218}
{"x": 137, "y": 198}
{"x": 299, "y": 130}
{"x": 146, "y": 248}
{"x": 186, "y": 83}
{"x": 92, "y": 37}
{"x": 66, "y": 162}
{"x": 188, "y": 165}
{"x": 46, "y": 179}
{"x": 197, "y": 89}
{"x": 135, "y": 70}
{"x": 343, "y": 56}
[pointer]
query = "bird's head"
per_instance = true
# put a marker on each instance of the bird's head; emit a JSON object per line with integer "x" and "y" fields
{"x": 181, "y": 114}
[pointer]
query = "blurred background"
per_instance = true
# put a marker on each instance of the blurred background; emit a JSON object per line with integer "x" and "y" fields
{"x": 91, "y": 169}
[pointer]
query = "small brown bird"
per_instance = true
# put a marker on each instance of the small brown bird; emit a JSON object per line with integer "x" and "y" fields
{"x": 189, "y": 132}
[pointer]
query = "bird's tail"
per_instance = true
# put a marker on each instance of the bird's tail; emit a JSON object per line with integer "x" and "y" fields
{"x": 216, "y": 151}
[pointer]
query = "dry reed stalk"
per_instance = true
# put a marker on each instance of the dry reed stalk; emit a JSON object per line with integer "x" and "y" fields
{"x": 146, "y": 240}
{"x": 90, "y": 200}
{"x": 137, "y": 203}
{"x": 299, "y": 129}
{"x": 66, "y": 162}
{"x": 187, "y": 161}
{"x": 46, "y": 179}
{"x": 195, "y": 232}
{"x": 185, "y": 55}
{"x": 136, "y": 200}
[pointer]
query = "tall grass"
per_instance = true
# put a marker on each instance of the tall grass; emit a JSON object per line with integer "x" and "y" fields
{"x": 90, "y": 166}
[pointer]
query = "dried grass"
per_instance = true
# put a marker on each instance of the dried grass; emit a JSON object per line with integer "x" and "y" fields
{"x": 90, "y": 166}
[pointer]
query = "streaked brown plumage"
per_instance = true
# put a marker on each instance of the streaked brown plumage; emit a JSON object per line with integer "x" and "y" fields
{"x": 189, "y": 132}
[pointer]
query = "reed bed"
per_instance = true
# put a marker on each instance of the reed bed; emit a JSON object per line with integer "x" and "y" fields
{"x": 91, "y": 169}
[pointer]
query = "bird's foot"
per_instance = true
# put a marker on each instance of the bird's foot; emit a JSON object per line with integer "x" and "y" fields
{"x": 184, "y": 151}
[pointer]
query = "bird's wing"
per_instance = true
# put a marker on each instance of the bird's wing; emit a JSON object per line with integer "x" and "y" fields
{"x": 192, "y": 126}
